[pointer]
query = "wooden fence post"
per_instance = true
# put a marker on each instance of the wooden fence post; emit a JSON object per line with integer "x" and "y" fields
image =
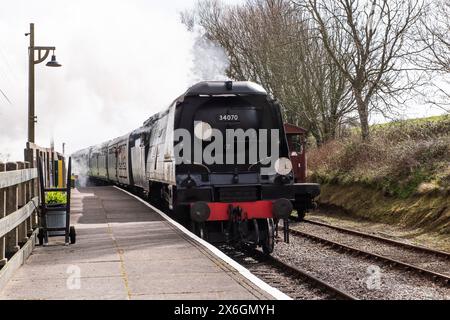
{"x": 64, "y": 171}
{"x": 28, "y": 196}
{"x": 3, "y": 259}
{"x": 12, "y": 245}
{"x": 22, "y": 200}
{"x": 31, "y": 155}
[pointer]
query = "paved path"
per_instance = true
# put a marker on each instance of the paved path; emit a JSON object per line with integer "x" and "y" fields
{"x": 125, "y": 250}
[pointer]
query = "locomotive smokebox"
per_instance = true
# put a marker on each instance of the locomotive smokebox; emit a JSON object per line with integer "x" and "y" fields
{"x": 282, "y": 208}
{"x": 200, "y": 211}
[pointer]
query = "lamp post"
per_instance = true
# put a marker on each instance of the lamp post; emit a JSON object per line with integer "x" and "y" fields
{"x": 43, "y": 53}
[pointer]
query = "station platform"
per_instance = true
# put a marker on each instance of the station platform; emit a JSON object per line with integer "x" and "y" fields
{"x": 127, "y": 250}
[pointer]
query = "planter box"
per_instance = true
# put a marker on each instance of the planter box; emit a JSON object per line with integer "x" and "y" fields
{"x": 56, "y": 219}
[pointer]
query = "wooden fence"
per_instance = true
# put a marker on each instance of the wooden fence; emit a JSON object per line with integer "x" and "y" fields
{"x": 48, "y": 158}
{"x": 19, "y": 202}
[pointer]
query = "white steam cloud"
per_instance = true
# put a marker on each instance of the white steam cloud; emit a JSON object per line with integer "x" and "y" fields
{"x": 210, "y": 60}
{"x": 122, "y": 62}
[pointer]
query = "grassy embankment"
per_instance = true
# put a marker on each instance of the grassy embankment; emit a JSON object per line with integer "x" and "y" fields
{"x": 401, "y": 176}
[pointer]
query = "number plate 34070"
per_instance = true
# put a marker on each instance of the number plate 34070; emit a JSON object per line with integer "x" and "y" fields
{"x": 228, "y": 117}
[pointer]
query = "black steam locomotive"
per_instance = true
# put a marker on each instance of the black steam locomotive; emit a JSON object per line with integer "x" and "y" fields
{"x": 217, "y": 158}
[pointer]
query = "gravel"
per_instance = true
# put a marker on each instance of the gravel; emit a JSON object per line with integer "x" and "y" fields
{"x": 417, "y": 258}
{"x": 294, "y": 287}
{"x": 356, "y": 275}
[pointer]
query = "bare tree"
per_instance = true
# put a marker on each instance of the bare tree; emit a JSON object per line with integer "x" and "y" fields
{"x": 434, "y": 33}
{"x": 378, "y": 31}
{"x": 272, "y": 42}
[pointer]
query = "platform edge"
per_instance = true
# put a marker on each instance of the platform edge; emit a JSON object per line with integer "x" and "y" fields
{"x": 277, "y": 294}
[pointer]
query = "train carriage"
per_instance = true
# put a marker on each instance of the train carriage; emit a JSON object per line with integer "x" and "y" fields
{"x": 235, "y": 195}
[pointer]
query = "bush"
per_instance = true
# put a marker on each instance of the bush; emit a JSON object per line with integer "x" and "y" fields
{"x": 400, "y": 159}
{"x": 56, "y": 198}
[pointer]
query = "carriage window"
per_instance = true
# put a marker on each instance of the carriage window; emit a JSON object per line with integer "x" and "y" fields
{"x": 296, "y": 143}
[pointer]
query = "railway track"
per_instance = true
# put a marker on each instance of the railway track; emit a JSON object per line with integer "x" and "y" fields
{"x": 296, "y": 283}
{"x": 383, "y": 239}
{"x": 292, "y": 280}
{"x": 427, "y": 262}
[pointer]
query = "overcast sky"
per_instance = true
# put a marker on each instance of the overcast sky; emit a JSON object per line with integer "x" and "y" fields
{"x": 122, "y": 62}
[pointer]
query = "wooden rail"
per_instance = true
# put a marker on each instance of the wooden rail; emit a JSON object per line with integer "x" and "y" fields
{"x": 19, "y": 203}
{"x": 10, "y": 178}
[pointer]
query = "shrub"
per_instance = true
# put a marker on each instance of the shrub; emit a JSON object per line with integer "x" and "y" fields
{"x": 399, "y": 158}
{"x": 56, "y": 198}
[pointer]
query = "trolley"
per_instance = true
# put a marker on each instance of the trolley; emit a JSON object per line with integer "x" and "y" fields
{"x": 55, "y": 218}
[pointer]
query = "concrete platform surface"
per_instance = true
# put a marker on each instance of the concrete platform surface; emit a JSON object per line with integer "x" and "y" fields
{"x": 125, "y": 250}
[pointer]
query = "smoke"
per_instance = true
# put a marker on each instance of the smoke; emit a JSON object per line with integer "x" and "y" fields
{"x": 122, "y": 62}
{"x": 210, "y": 60}
{"x": 80, "y": 170}
{"x": 4, "y": 157}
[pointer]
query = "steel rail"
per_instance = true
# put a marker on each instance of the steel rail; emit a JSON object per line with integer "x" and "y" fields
{"x": 293, "y": 271}
{"x": 298, "y": 273}
{"x": 386, "y": 240}
{"x": 433, "y": 275}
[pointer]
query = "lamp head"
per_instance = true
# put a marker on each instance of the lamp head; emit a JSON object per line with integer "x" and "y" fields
{"x": 53, "y": 62}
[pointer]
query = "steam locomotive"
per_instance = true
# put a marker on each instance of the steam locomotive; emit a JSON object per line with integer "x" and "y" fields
{"x": 206, "y": 159}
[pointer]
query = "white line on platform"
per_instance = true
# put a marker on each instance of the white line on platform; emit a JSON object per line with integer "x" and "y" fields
{"x": 277, "y": 294}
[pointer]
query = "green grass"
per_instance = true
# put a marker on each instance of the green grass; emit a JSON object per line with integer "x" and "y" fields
{"x": 414, "y": 121}
{"x": 424, "y": 214}
{"x": 402, "y": 158}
